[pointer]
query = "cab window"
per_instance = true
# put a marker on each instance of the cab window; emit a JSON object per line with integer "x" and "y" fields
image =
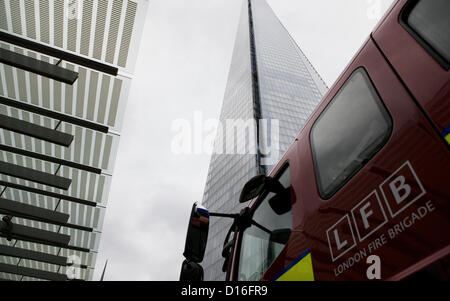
{"x": 265, "y": 239}
{"x": 429, "y": 22}
{"x": 351, "y": 130}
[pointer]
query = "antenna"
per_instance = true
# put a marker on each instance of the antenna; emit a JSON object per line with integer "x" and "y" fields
{"x": 104, "y": 269}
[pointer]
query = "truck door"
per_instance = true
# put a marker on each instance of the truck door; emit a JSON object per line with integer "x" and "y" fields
{"x": 416, "y": 41}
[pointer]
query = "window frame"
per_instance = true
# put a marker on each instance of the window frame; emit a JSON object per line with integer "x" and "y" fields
{"x": 403, "y": 20}
{"x": 382, "y": 144}
{"x": 260, "y": 199}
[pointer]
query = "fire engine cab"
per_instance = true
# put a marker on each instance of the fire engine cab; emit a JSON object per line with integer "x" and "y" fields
{"x": 364, "y": 191}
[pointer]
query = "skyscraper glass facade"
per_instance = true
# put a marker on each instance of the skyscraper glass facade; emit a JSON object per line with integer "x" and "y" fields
{"x": 228, "y": 172}
{"x": 270, "y": 79}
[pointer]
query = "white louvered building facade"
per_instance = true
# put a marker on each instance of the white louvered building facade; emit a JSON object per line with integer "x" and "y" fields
{"x": 103, "y": 31}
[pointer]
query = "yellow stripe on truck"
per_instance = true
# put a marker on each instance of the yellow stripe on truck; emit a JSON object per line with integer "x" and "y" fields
{"x": 300, "y": 269}
{"x": 446, "y": 134}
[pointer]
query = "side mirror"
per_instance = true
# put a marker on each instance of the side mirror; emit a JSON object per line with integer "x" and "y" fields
{"x": 256, "y": 185}
{"x": 281, "y": 202}
{"x": 280, "y": 236}
{"x": 197, "y": 234}
{"x": 191, "y": 271}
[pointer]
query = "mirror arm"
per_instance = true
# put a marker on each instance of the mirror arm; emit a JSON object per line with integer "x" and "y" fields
{"x": 223, "y": 215}
{"x": 261, "y": 227}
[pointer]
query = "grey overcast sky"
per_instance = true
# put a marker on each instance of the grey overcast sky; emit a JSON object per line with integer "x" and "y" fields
{"x": 182, "y": 68}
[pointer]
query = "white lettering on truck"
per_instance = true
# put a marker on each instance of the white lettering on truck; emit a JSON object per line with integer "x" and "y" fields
{"x": 399, "y": 191}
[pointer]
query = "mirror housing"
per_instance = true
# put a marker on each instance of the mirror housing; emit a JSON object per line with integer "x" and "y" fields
{"x": 281, "y": 202}
{"x": 191, "y": 271}
{"x": 256, "y": 185}
{"x": 252, "y": 188}
{"x": 197, "y": 234}
{"x": 280, "y": 236}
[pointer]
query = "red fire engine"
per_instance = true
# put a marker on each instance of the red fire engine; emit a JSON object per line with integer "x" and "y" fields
{"x": 364, "y": 191}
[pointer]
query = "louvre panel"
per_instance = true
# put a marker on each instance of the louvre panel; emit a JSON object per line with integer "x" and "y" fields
{"x": 9, "y": 260}
{"x": 39, "y": 265}
{"x": 10, "y": 277}
{"x": 2, "y": 91}
{"x": 11, "y": 92}
{"x": 15, "y": 16}
{"x": 81, "y": 87}
{"x": 31, "y": 198}
{"x": 126, "y": 34}
{"x": 100, "y": 30}
{"x": 26, "y": 278}
{"x": 30, "y": 17}
{"x": 92, "y": 96}
{"x": 44, "y": 20}
{"x": 3, "y": 20}
{"x": 58, "y": 25}
{"x": 21, "y": 80}
{"x": 72, "y": 27}
{"x": 81, "y": 29}
{"x": 113, "y": 30}
{"x": 114, "y": 102}
{"x": 103, "y": 99}
{"x": 86, "y": 26}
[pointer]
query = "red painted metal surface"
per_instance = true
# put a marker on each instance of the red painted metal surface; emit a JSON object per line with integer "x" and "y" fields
{"x": 427, "y": 80}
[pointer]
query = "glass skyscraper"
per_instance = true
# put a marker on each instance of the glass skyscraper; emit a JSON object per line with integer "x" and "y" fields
{"x": 269, "y": 79}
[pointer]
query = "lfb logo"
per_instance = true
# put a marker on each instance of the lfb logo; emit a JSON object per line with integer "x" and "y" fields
{"x": 399, "y": 191}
